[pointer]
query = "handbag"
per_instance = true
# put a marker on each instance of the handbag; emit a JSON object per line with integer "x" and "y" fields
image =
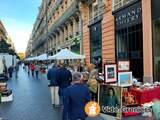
{"x": 93, "y": 85}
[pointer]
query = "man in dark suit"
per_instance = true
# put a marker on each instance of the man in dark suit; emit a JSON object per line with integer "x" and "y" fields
{"x": 52, "y": 75}
{"x": 64, "y": 80}
{"x": 76, "y": 97}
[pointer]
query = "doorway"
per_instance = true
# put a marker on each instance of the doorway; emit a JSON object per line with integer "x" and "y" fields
{"x": 130, "y": 47}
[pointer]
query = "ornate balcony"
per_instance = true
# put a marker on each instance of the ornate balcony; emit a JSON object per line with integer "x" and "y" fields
{"x": 65, "y": 16}
{"x": 98, "y": 15}
{"x": 71, "y": 11}
{"x": 57, "y": 4}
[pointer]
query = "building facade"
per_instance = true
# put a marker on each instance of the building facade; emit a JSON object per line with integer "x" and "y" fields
{"x": 124, "y": 30}
{"x": 156, "y": 38}
{"x": 4, "y": 35}
{"x": 58, "y": 26}
{"x": 3, "y": 32}
{"x": 105, "y": 31}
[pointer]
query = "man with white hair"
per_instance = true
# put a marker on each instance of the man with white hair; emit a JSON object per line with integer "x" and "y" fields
{"x": 76, "y": 97}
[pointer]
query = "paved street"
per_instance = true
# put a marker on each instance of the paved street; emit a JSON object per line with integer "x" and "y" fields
{"x": 31, "y": 100}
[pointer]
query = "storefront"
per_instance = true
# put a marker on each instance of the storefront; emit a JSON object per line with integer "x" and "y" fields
{"x": 96, "y": 43}
{"x": 76, "y": 48}
{"x": 156, "y": 38}
{"x": 129, "y": 37}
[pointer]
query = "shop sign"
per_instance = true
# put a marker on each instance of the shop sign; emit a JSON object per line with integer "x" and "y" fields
{"x": 129, "y": 16}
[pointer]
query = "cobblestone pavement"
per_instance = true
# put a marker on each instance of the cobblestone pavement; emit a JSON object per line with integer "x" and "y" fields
{"x": 31, "y": 100}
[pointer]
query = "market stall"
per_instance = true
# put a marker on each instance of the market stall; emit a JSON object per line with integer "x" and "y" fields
{"x": 42, "y": 57}
{"x": 129, "y": 97}
{"x": 65, "y": 54}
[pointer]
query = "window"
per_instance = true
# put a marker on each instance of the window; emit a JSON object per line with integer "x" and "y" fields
{"x": 156, "y": 49}
{"x": 96, "y": 44}
{"x": 96, "y": 10}
{"x": 120, "y": 3}
{"x": 130, "y": 47}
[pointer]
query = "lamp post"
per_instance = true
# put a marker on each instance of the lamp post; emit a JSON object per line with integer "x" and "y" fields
{"x": 45, "y": 19}
{"x": 46, "y": 25}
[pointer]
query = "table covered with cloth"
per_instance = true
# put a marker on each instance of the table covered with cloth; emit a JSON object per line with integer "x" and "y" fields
{"x": 146, "y": 95}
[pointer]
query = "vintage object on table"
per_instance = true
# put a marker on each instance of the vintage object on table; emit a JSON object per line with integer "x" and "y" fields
{"x": 110, "y": 71}
{"x": 109, "y": 97}
{"x": 5, "y": 94}
{"x": 146, "y": 94}
{"x": 128, "y": 98}
{"x": 123, "y": 66}
{"x": 125, "y": 79}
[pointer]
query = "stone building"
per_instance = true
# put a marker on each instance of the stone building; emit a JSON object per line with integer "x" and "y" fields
{"x": 3, "y": 32}
{"x": 105, "y": 31}
{"x": 4, "y": 35}
{"x": 116, "y": 30}
{"x": 61, "y": 28}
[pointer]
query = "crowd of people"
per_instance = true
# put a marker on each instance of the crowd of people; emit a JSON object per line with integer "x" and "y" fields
{"x": 71, "y": 87}
{"x": 13, "y": 69}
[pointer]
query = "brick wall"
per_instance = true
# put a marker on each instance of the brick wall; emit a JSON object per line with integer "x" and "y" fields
{"x": 108, "y": 34}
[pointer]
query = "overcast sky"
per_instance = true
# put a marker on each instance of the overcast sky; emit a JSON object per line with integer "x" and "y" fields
{"x": 18, "y": 17}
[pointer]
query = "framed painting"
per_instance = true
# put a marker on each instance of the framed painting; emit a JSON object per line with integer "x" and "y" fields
{"x": 110, "y": 100}
{"x": 110, "y": 75}
{"x": 125, "y": 79}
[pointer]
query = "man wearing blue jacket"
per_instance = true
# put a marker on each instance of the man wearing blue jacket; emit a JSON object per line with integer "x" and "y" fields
{"x": 64, "y": 80}
{"x": 52, "y": 75}
{"x": 76, "y": 97}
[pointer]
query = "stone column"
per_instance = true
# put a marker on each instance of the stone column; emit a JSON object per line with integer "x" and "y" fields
{"x": 69, "y": 30}
{"x": 147, "y": 41}
{"x": 62, "y": 36}
{"x": 58, "y": 34}
{"x": 81, "y": 33}
{"x": 72, "y": 33}
{"x": 74, "y": 26}
{"x": 66, "y": 32}
{"x": 77, "y": 26}
{"x": 56, "y": 39}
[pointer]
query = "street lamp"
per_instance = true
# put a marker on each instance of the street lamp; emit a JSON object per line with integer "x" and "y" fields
{"x": 46, "y": 24}
{"x": 46, "y": 13}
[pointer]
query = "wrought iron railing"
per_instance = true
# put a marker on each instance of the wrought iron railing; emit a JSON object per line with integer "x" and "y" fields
{"x": 64, "y": 17}
{"x": 98, "y": 15}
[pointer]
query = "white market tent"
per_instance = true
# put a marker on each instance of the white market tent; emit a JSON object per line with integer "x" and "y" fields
{"x": 66, "y": 54}
{"x": 31, "y": 59}
{"x": 42, "y": 57}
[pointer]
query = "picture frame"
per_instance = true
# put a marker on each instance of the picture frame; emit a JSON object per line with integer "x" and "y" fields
{"x": 103, "y": 94}
{"x": 128, "y": 98}
{"x": 110, "y": 71}
{"x": 125, "y": 79}
{"x": 123, "y": 65}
